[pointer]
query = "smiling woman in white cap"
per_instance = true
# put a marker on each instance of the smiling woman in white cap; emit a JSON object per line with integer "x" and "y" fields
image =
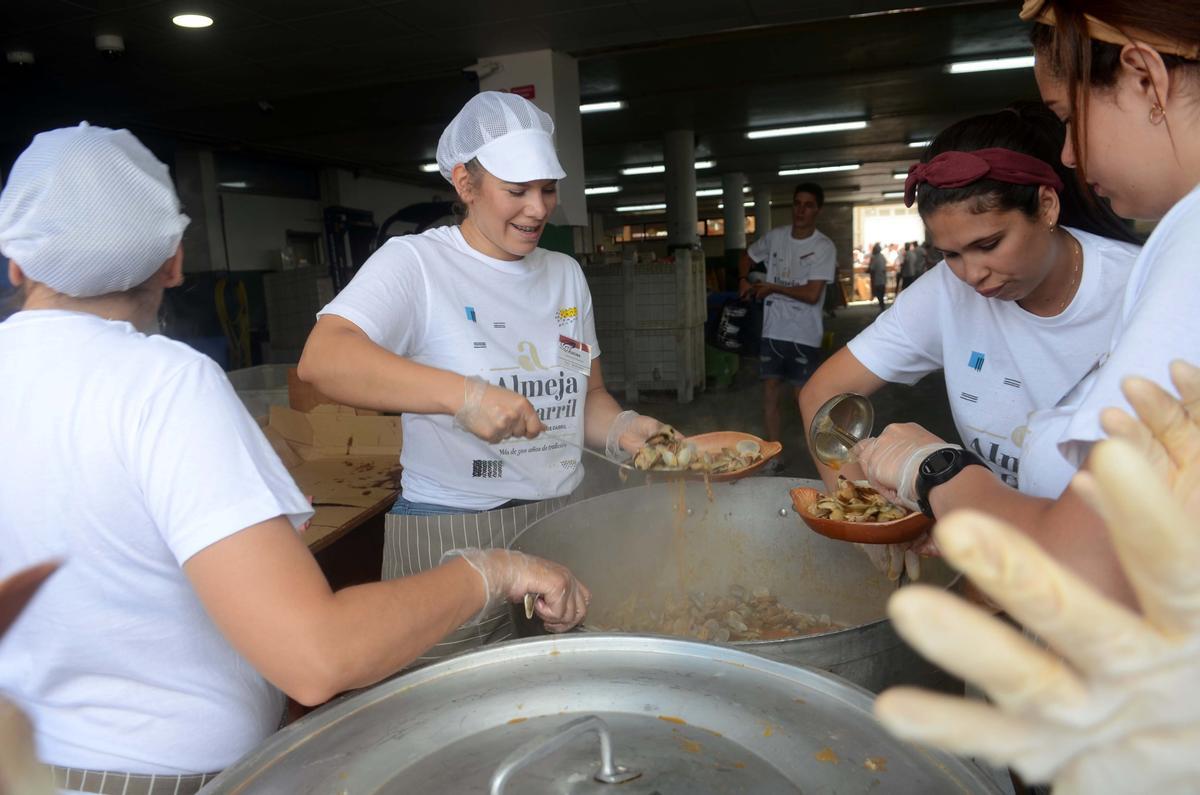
{"x": 483, "y": 341}
{"x": 151, "y": 661}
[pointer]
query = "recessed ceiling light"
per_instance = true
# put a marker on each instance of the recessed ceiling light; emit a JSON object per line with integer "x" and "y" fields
{"x": 721, "y": 206}
{"x": 238, "y": 184}
{"x": 659, "y": 168}
{"x": 899, "y": 175}
{"x": 893, "y": 194}
{"x": 710, "y": 192}
{"x": 807, "y": 129}
{"x": 600, "y": 107}
{"x": 600, "y": 190}
{"x": 429, "y": 168}
{"x": 919, "y": 144}
{"x": 792, "y": 172}
{"x": 990, "y": 65}
{"x": 642, "y": 208}
{"x": 192, "y": 20}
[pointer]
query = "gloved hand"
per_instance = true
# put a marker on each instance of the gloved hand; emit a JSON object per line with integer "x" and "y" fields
{"x": 891, "y": 460}
{"x": 628, "y": 433}
{"x": 1112, "y": 705}
{"x": 1169, "y": 431}
{"x": 896, "y": 559}
{"x": 509, "y": 575}
{"x": 494, "y": 414}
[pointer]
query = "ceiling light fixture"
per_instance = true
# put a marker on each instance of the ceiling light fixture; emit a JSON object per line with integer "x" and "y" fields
{"x": 721, "y": 206}
{"x": 990, "y": 65}
{"x": 601, "y": 190}
{"x": 192, "y": 20}
{"x": 601, "y": 107}
{"x": 642, "y": 208}
{"x": 807, "y": 129}
{"x": 893, "y": 194}
{"x": 792, "y": 172}
{"x": 429, "y": 168}
{"x": 659, "y": 168}
{"x": 899, "y": 175}
{"x": 238, "y": 184}
{"x": 19, "y": 57}
{"x": 919, "y": 144}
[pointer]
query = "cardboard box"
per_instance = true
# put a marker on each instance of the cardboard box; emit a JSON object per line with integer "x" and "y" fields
{"x": 349, "y": 462}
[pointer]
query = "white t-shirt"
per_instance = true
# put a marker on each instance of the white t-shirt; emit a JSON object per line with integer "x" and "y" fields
{"x": 125, "y": 455}
{"x": 435, "y": 300}
{"x": 1001, "y": 363}
{"x": 793, "y": 263}
{"x": 1158, "y": 323}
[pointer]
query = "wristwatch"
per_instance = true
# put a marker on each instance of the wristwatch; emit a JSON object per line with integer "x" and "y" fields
{"x": 939, "y": 467}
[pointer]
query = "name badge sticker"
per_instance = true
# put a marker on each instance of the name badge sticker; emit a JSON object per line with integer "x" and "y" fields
{"x": 574, "y": 355}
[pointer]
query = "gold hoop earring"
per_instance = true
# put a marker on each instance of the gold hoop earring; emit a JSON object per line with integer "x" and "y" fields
{"x": 1157, "y": 114}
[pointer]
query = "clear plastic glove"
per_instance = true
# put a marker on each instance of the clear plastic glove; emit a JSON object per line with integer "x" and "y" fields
{"x": 891, "y": 460}
{"x": 895, "y": 559}
{"x": 1168, "y": 433}
{"x": 628, "y": 433}
{"x": 509, "y": 575}
{"x": 1112, "y": 705}
{"x": 494, "y": 414}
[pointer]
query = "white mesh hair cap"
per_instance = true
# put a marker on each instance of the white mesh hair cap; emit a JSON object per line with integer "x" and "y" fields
{"x": 511, "y": 137}
{"x": 88, "y": 211}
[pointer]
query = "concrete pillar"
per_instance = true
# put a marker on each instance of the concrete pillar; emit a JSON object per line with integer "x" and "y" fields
{"x": 551, "y": 81}
{"x": 762, "y": 211}
{"x": 196, "y": 182}
{"x": 679, "y": 155}
{"x": 735, "y": 213}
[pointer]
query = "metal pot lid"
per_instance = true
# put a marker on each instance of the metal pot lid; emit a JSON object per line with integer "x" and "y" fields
{"x": 531, "y": 716}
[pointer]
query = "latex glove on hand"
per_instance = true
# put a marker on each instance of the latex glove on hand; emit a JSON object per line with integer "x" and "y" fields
{"x": 494, "y": 414}
{"x": 508, "y": 575}
{"x": 1168, "y": 433}
{"x": 628, "y": 433}
{"x": 1112, "y": 705}
{"x": 891, "y": 460}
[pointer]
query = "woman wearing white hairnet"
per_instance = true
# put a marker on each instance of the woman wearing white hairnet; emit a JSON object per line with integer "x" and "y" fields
{"x": 151, "y": 661}
{"x": 483, "y": 341}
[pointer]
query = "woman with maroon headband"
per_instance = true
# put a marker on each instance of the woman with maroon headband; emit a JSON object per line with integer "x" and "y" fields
{"x": 1125, "y": 77}
{"x": 1022, "y": 305}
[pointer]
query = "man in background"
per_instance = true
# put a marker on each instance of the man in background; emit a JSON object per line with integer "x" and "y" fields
{"x": 800, "y": 260}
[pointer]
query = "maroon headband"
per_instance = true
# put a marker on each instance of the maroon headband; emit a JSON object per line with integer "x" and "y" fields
{"x": 959, "y": 169}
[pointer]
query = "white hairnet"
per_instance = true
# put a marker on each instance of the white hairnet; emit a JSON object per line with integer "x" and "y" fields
{"x": 89, "y": 211}
{"x": 512, "y": 138}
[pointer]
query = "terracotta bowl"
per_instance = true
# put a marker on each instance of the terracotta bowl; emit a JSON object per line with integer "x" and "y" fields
{"x": 716, "y": 440}
{"x": 896, "y": 531}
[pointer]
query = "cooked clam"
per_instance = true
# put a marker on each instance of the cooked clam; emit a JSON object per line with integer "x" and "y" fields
{"x": 669, "y": 452}
{"x": 854, "y": 503}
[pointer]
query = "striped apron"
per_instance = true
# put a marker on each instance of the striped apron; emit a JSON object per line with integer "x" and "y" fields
{"x": 413, "y": 544}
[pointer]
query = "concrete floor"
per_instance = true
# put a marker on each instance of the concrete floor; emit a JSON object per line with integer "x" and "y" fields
{"x": 739, "y": 408}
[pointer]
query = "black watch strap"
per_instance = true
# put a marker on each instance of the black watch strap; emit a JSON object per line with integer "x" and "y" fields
{"x": 939, "y": 467}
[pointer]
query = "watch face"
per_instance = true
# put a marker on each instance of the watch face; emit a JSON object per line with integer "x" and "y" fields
{"x": 938, "y": 462}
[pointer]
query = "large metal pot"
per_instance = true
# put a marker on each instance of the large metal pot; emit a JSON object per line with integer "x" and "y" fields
{"x": 525, "y": 716}
{"x": 643, "y": 541}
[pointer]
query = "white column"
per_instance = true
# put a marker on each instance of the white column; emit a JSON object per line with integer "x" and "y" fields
{"x": 762, "y": 211}
{"x": 735, "y": 213}
{"x": 551, "y": 81}
{"x": 196, "y": 183}
{"x": 679, "y": 155}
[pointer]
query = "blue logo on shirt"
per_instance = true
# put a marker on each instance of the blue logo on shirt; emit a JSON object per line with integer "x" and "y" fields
{"x": 976, "y": 361}
{"x": 470, "y": 313}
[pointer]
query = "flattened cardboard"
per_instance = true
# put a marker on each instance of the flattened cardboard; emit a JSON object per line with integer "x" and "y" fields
{"x": 347, "y": 461}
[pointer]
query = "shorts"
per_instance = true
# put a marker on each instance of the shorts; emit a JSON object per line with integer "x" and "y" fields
{"x": 788, "y": 361}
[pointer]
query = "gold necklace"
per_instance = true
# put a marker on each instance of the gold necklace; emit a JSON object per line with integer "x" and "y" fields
{"x": 1077, "y": 252}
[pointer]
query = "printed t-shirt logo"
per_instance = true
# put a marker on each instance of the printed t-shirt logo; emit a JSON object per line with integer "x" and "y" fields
{"x": 470, "y": 310}
{"x": 566, "y": 315}
{"x": 976, "y": 361}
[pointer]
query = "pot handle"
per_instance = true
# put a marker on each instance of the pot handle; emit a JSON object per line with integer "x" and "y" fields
{"x": 545, "y": 745}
